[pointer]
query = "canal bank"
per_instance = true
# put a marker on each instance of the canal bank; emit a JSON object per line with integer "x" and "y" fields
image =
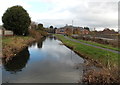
{"x": 108, "y": 61}
{"x": 89, "y": 52}
{"x": 50, "y": 58}
{"x": 13, "y": 45}
{"x": 45, "y": 61}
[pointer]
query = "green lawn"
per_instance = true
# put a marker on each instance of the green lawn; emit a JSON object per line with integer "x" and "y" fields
{"x": 91, "y": 52}
{"x": 97, "y": 44}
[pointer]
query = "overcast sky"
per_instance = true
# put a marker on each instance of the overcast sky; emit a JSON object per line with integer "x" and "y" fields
{"x": 97, "y": 14}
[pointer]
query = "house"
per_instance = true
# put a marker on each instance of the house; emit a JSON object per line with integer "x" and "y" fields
{"x": 85, "y": 31}
{"x": 71, "y": 30}
{"x": 108, "y": 31}
{"x": 4, "y": 32}
{"x": 60, "y": 31}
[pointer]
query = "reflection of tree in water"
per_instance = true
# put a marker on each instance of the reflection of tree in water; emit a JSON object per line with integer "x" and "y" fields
{"x": 18, "y": 62}
{"x": 33, "y": 44}
{"x": 55, "y": 38}
{"x": 51, "y": 37}
{"x": 40, "y": 42}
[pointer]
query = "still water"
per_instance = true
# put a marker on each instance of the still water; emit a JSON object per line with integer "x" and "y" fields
{"x": 46, "y": 61}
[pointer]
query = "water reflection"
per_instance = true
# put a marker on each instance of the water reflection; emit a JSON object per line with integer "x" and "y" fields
{"x": 18, "y": 62}
{"x": 52, "y": 37}
{"x": 49, "y": 62}
{"x": 40, "y": 42}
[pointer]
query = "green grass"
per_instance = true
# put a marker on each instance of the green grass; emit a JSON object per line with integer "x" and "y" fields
{"x": 6, "y": 40}
{"x": 91, "y": 52}
{"x": 97, "y": 44}
{"x": 10, "y": 39}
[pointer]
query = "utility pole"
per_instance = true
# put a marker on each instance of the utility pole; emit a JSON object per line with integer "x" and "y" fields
{"x": 72, "y": 26}
{"x": 94, "y": 29}
{"x": 94, "y": 33}
{"x": 72, "y": 22}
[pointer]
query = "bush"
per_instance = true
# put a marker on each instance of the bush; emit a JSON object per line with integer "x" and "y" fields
{"x": 35, "y": 34}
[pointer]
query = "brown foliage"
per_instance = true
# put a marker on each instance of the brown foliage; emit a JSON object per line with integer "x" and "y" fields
{"x": 15, "y": 46}
{"x": 35, "y": 34}
{"x": 101, "y": 77}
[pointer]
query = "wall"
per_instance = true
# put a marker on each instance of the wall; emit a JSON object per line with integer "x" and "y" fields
{"x": 6, "y": 33}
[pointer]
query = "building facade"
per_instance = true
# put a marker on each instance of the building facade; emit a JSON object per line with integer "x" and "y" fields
{"x": 71, "y": 30}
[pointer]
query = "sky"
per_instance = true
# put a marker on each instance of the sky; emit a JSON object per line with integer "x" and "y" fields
{"x": 98, "y": 14}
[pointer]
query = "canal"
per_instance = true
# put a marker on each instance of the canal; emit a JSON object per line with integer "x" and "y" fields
{"x": 46, "y": 61}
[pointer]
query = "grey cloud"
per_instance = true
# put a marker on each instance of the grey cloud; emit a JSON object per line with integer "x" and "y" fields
{"x": 92, "y": 15}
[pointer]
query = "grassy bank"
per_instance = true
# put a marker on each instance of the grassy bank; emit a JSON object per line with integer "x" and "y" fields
{"x": 109, "y": 73}
{"x": 97, "y": 44}
{"x": 106, "y": 58}
{"x": 13, "y": 45}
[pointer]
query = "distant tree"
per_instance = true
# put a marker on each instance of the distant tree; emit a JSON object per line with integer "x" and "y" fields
{"x": 55, "y": 29}
{"x": 33, "y": 25}
{"x": 51, "y": 27}
{"x": 87, "y": 28}
{"x": 113, "y": 30}
{"x": 51, "y": 30}
{"x": 16, "y": 19}
{"x": 40, "y": 26}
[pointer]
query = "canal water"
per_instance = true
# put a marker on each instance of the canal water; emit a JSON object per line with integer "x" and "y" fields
{"x": 46, "y": 61}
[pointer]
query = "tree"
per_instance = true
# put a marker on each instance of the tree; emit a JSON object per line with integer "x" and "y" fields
{"x": 55, "y": 29}
{"x": 40, "y": 26}
{"x": 51, "y": 27}
{"x": 16, "y": 19}
{"x": 87, "y": 28}
{"x": 33, "y": 25}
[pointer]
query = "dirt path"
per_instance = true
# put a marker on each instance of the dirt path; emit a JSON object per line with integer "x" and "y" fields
{"x": 92, "y": 45}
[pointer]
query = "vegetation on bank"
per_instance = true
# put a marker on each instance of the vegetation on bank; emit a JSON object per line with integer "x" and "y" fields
{"x": 97, "y": 44}
{"x": 18, "y": 20}
{"x": 106, "y": 58}
{"x": 13, "y": 45}
{"x": 98, "y": 57}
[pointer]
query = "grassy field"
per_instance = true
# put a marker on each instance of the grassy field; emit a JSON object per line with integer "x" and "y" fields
{"x": 100, "y": 55}
{"x": 97, "y": 44}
